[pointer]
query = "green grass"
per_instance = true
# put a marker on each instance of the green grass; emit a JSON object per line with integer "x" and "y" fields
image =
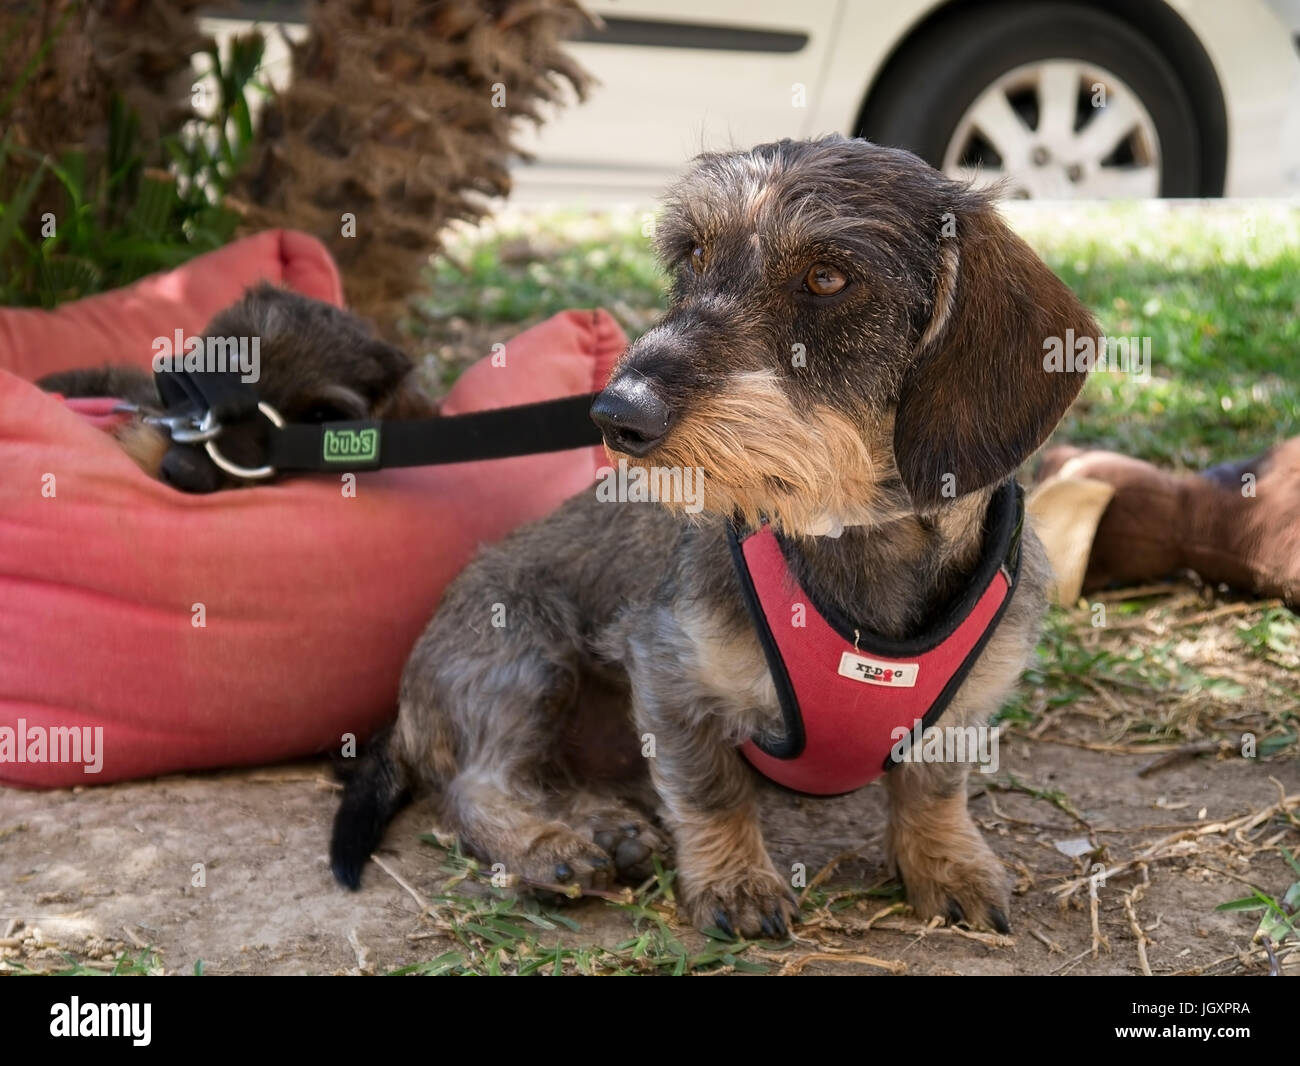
{"x": 1063, "y": 662}
{"x": 1161, "y": 690}
{"x": 524, "y": 268}
{"x": 500, "y": 931}
{"x": 1273, "y": 637}
{"x": 1279, "y": 924}
{"x": 497, "y": 932}
{"x": 1216, "y": 288}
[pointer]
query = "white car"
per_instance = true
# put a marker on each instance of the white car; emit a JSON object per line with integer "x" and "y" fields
{"x": 1058, "y": 98}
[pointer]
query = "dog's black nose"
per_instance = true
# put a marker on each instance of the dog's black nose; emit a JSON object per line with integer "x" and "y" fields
{"x": 632, "y": 415}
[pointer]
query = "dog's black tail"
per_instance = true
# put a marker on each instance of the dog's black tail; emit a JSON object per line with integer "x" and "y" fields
{"x": 374, "y": 792}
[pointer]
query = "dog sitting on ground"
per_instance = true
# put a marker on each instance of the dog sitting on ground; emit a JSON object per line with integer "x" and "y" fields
{"x": 317, "y": 363}
{"x": 853, "y": 353}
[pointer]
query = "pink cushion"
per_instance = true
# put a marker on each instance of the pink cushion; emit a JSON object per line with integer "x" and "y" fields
{"x": 118, "y": 327}
{"x": 311, "y": 600}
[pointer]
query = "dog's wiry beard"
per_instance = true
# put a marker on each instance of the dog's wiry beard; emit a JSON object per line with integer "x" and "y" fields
{"x": 807, "y": 473}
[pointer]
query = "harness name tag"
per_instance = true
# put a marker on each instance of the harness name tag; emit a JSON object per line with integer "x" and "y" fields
{"x": 875, "y": 672}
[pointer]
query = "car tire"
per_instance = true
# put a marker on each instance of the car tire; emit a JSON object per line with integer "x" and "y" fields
{"x": 934, "y": 79}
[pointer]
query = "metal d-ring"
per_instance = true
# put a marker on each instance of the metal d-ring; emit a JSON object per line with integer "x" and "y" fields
{"x": 257, "y": 473}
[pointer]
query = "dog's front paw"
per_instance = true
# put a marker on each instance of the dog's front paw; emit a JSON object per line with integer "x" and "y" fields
{"x": 753, "y": 903}
{"x": 959, "y": 880}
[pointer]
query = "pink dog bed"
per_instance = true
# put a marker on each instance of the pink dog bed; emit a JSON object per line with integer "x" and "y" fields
{"x": 310, "y": 601}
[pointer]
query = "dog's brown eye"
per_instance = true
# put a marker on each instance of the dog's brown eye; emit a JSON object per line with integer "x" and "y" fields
{"x": 824, "y": 280}
{"x": 698, "y": 259}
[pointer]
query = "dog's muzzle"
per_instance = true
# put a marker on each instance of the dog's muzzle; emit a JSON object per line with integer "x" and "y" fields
{"x": 631, "y": 415}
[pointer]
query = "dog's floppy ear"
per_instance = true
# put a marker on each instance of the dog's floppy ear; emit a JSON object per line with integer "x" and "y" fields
{"x": 978, "y": 398}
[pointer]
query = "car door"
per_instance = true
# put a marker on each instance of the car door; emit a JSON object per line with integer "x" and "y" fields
{"x": 680, "y": 76}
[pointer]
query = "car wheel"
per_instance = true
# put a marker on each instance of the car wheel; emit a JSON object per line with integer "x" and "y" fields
{"x": 1054, "y": 101}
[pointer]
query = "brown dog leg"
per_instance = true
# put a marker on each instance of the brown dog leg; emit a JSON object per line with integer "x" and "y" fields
{"x": 948, "y": 869}
{"x": 727, "y": 877}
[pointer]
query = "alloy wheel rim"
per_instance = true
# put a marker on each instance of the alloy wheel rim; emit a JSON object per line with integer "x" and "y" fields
{"x": 1058, "y": 129}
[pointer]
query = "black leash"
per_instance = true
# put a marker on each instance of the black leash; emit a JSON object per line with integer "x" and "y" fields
{"x": 201, "y": 406}
{"x": 548, "y": 426}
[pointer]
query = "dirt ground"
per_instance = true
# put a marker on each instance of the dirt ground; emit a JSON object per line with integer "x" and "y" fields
{"x": 88, "y": 874}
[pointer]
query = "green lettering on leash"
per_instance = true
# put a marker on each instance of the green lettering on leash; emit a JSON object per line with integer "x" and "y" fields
{"x": 351, "y": 445}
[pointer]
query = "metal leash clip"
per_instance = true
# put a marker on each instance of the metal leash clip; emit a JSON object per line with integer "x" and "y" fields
{"x": 192, "y": 429}
{"x": 185, "y": 428}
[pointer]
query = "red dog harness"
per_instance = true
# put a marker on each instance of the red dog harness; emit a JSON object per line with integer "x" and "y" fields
{"x": 849, "y": 697}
